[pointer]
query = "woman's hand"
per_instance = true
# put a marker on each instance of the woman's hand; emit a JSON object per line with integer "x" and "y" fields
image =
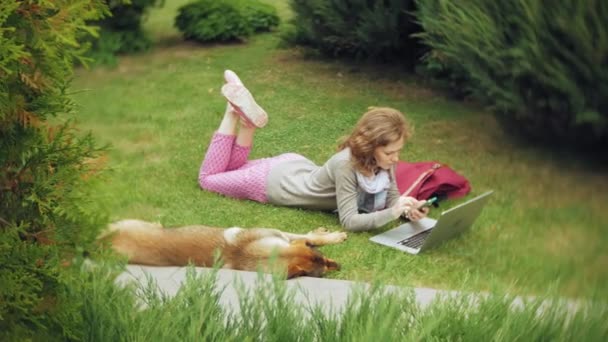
{"x": 416, "y": 214}
{"x": 411, "y": 208}
{"x": 405, "y": 204}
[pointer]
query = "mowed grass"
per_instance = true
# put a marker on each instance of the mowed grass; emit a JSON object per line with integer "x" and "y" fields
{"x": 545, "y": 226}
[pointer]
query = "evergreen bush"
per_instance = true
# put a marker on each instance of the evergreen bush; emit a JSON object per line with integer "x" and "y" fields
{"x": 122, "y": 32}
{"x": 437, "y": 70}
{"x": 225, "y": 20}
{"x": 542, "y": 67}
{"x": 45, "y": 216}
{"x": 378, "y": 30}
{"x": 260, "y": 16}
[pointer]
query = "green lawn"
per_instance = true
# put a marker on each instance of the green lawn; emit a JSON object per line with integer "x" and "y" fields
{"x": 544, "y": 228}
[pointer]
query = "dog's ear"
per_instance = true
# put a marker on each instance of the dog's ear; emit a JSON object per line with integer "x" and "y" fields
{"x": 294, "y": 271}
{"x": 331, "y": 265}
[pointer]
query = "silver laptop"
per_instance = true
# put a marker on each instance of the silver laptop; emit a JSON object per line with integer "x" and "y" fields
{"x": 416, "y": 237}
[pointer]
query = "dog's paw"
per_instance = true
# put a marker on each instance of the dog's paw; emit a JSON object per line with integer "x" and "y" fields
{"x": 337, "y": 237}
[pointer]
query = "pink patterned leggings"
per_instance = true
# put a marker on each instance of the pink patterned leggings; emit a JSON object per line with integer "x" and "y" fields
{"x": 227, "y": 171}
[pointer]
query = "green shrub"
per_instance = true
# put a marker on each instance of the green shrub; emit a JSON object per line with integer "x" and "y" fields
{"x": 379, "y": 30}
{"x": 31, "y": 289}
{"x": 122, "y": 32}
{"x": 260, "y": 16}
{"x": 224, "y": 20}
{"x": 435, "y": 68}
{"x": 210, "y": 20}
{"x": 543, "y": 68}
{"x": 45, "y": 217}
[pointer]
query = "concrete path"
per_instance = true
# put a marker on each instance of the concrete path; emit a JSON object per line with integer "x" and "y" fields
{"x": 330, "y": 293}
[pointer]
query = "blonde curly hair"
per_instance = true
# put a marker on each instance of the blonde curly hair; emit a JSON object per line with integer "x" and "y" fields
{"x": 379, "y": 126}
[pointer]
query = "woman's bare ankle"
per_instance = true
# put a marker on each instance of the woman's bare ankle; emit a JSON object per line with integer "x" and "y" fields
{"x": 229, "y": 121}
{"x": 246, "y": 134}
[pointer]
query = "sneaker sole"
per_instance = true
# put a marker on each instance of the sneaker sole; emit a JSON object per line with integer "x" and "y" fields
{"x": 241, "y": 99}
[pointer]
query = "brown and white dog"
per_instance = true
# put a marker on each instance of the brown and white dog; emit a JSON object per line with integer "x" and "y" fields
{"x": 149, "y": 243}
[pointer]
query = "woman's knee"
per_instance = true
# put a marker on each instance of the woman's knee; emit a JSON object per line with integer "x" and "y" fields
{"x": 204, "y": 183}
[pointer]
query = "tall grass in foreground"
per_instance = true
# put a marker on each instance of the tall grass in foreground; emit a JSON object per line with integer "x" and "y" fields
{"x": 269, "y": 313}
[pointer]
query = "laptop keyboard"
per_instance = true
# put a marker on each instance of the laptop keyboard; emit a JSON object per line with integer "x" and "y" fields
{"x": 415, "y": 241}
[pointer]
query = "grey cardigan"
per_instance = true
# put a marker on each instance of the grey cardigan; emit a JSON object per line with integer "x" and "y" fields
{"x": 300, "y": 183}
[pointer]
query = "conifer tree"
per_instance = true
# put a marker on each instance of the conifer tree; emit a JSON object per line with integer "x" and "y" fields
{"x": 44, "y": 162}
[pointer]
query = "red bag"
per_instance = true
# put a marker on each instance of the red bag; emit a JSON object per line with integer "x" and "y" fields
{"x": 423, "y": 180}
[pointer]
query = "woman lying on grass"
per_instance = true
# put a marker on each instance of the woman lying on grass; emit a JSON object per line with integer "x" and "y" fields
{"x": 358, "y": 181}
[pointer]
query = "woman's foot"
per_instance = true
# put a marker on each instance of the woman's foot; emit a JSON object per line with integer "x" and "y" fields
{"x": 242, "y": 101}
{"x": 231, "y": 77}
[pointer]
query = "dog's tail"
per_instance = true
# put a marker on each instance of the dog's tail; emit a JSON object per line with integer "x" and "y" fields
{"x": 128, "y": 225}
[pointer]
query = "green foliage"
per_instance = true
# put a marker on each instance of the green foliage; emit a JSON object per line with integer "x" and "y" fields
{"x": 112, "y": 313}
{"x": 211, "y": 20}
{"x": 451, "y": 77}
{"x": 31, "y": 299}
{"x": 379, "y": 30}
{"x": 122, "y": 32}
{"x": 543, "y": 67}
{"x": 260, "y": 16}
{"x": 44, "y": 161}
{"x": 225, "y": 20}
{"x": 270, "y": 312}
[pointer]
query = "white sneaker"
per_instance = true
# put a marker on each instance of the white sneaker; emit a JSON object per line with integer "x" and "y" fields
{"x": 243, "y": 103}
{"x": 231, "y": 77}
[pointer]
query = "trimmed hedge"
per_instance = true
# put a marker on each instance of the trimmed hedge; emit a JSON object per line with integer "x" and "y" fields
{"x": 377, "y": 30}
{"x": 225, "y": 20}
{"x": 542, "y": 67}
